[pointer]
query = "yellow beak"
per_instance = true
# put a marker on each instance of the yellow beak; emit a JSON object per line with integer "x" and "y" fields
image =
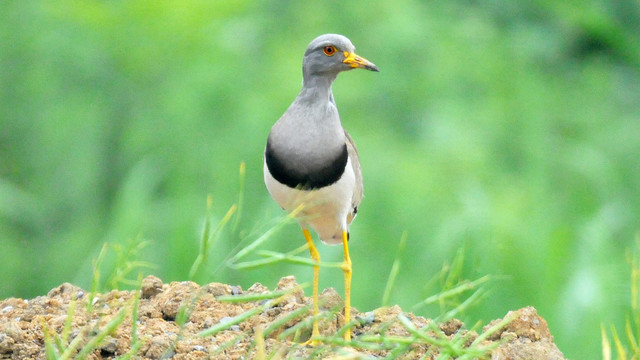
{"x": 356, "y": 61}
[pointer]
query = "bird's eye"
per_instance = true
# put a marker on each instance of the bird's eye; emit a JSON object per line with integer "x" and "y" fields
{"x": 329, "y": 50}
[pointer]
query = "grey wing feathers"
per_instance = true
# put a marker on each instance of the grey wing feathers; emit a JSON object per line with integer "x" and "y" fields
{"x": 358, "y": 192}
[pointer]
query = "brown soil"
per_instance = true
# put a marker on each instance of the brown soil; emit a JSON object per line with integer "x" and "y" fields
{"x": 23, "y": 324}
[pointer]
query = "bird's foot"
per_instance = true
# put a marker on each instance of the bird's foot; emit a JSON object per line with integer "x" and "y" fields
{"x": 347, "y": 335}
{"x": 313, "y": 340}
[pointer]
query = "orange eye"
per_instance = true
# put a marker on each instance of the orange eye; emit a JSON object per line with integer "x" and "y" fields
{"x": 329, "y": 50}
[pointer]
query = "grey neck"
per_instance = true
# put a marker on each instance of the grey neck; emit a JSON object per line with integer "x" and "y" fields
{"x": 318, "y": 86}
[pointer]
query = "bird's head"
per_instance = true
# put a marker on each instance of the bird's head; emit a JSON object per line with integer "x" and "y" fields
{"x": 330, "y": 54}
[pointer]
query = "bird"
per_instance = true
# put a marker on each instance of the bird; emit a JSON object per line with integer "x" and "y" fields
{"x": 311, "y": 164}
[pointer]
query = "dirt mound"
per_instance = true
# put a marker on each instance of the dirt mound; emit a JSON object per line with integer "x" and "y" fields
{"x": 183, "y": 320}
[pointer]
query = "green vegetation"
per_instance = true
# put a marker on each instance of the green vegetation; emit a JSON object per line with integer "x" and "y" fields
{"x": 627, "y": 343}
{"x": 462, "y": 345}
{"x": 507, "y": 129}
{"x": 89, "y": 338}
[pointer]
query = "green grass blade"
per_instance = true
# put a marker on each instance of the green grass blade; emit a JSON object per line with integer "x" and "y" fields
{"x": 247, "y": 314}
{"x": 255, "y": 297}
{"x": 631, "y": 337}
{"x": 134, "y": 313}
{"x": 620, "y": 349}
{"x": 417, "y": 334}
{"x": 499, "y": 325}
{"x": 95, "y": 280}
{"x": 241, "y": 182}
{"x": 273, "y": 257}
{"x": 108, "y": 329}
{"x": 285, "y": 319}
{"x": 203, "y": 240}
{"x": 227, "y": 344}
{"x": 287, "y": 219}
{"x": 395, "y": 268}
{"x": 307, "y": 323}
{"x": 68, "y": 321}
{"x": 50, "y": 349}
{"x": 606, "y": 345}
{"x": 475, "y": 298}
{"x": 455, "y": 291}
{"x": 233, "y": 321}
{"x": 133, "y": 352}
{"x": 208, "y": 240}
{"x": 73, "y": 346}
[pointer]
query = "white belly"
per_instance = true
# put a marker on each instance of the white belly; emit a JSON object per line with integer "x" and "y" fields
{"x": 325, "y": 209}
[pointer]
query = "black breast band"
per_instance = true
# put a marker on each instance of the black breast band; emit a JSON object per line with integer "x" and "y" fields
{"x": 307, "y": 178}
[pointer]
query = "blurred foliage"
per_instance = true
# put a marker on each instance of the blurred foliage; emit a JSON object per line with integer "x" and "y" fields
{"x": 512, "y": 127}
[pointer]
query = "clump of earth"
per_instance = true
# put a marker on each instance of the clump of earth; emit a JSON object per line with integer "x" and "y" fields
{"x": 183, "y": 320}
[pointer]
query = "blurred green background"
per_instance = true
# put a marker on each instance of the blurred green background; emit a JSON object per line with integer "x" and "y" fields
{"x": 511, "y": 128}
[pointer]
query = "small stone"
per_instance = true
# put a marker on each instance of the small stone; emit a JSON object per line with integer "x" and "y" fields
{"x": 157, "y": 346}
{"x": 7, "y": 309}
{"x": 109, "y": 345}
{"x": 226, "y": 319}
{"x": 451, "y": 327}
{"x": 13, "y": 330}
{"x": 177, "y": 295}
{"x": 6, "y": 344}
{"x": 236, "y": 290}
{"x": 525, "y": 348}
{"x": 367, "y": 318}
{"x": 151, "y": 286}
{"x": 218, "y": 289}
{"x": 527, "y": 323}
{"x": 258, "y": 288}
{"x": 387, "y": 314}
{"x": 65, "y": 291}
{"x": 329, "y": 299}
{"x": 289, "y": 283}
{"x": 199, "y": 348}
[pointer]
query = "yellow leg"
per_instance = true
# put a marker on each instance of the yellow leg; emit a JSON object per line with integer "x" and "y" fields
{"x": 346, "y": 269}
{"x": 315, "y": 255}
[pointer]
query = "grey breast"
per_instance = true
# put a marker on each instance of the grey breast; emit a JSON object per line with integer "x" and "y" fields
{"x": 305, "y": 149}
